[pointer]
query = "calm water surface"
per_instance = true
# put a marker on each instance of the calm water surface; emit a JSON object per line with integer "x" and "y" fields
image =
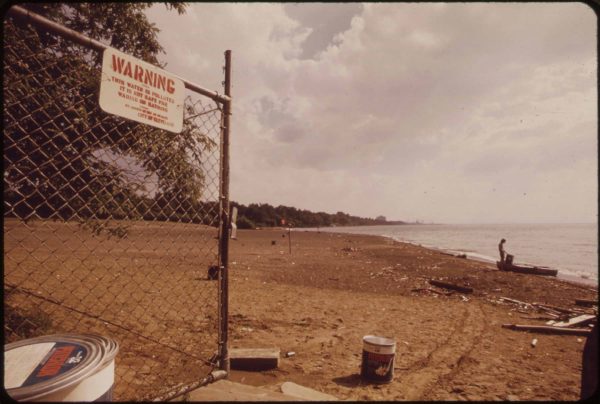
{"x": 570, "y": 248}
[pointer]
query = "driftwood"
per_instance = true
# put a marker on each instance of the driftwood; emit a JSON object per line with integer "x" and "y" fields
{"x": 551, "y": 312}
{"x": 582, "y": 320}
{"x": 538, "y": 318}
{"x": 586, "y": 302}
{"x": 520, "y": 303}
{"x": 445, "y": 285}
{"x": 548, "y": 329}
{"x": 553, "y": 309}
{"x": 431, "y": 290}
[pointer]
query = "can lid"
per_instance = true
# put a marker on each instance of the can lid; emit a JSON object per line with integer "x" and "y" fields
{"x": 378, "y": 341}
{"x": 38, "y": 366}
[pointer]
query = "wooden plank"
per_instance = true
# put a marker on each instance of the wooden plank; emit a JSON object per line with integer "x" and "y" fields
{"x": 224, "y": 390}
{"x": 552, "y": 308}
{"x": 305, "y": 393}
{"x": 254, "y": 358}
{"x": 548, "y": 329}
{"x": 559, "y": 309}
{"x": 445, "y": 285}
{"x": 584, "y": 319}
{"x": 586, "y": 302}
{"x": 548, "y": 311}
{"x": 538, "y": 318}
{"x": 515, "y": 301}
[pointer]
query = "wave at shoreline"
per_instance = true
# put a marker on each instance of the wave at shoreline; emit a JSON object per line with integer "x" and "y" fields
{"x": 563, "y": 274}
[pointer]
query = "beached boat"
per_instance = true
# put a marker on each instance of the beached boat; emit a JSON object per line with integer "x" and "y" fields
{"x": 526, "y": 269}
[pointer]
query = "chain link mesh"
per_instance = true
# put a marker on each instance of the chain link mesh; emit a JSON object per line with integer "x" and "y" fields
{"x": 109, "y": 225}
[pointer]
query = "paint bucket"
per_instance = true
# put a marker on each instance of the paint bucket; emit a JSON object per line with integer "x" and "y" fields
{"x": 378, "y": 359}
{"x": 509, "y": 259}
{"x": 61, "y": 367}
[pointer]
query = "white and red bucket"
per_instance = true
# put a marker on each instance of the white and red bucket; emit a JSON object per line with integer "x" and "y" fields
{"x": 61, "y": 367}
{"x": 378, "y": 359}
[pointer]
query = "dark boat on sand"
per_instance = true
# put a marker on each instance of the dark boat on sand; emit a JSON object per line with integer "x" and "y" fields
{"x": 525, "y": 269}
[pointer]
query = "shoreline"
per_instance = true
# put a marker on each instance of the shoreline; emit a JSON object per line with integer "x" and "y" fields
{"x": 566, "y": 277}
{"x": 560, "y": 276}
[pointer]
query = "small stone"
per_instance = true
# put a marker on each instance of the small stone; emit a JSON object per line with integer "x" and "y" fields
{"x": 512, "y": 397}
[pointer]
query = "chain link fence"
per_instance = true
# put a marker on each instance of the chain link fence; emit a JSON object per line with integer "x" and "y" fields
{"x": 110, "y": 225}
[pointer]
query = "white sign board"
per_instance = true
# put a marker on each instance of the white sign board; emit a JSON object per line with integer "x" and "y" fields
{"x": 139, "y": 91}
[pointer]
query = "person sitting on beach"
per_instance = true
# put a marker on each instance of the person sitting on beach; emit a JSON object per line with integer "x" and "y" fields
{"x": 502, "y": 251}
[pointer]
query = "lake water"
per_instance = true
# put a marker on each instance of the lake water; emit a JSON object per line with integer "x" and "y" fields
{"x": 570, "y": 248}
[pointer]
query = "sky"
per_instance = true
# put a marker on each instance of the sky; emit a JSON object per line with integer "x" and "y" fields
{"x": 445, "y": 113}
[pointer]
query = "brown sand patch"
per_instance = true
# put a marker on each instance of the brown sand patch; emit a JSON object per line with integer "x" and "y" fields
{"x": 334, "y": 288}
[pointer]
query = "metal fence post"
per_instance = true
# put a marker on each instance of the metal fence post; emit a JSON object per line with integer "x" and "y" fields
{"x": 108, "y": 221}
{"x": 225, "y": 224}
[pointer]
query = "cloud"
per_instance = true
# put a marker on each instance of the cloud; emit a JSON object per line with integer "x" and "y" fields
{"x": 429, "y": 111}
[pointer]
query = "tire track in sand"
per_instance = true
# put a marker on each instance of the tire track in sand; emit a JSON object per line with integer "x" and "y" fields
{"x": 443, "y": 362}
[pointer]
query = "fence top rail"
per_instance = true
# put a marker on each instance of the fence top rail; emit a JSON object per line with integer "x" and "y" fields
{"x": 100, "y": 47}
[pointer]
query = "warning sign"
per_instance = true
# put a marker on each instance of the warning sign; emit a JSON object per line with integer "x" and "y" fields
{"x": 137, "y": 90}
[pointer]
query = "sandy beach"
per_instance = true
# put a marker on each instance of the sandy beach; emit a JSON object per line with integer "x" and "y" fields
{"x": 320, "y": 300}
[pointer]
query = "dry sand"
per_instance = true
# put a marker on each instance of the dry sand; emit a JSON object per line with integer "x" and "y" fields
{"x": 320, "y": 300}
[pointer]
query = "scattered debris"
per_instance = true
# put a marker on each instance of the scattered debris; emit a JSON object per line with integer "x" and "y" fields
{"x": 507, "y": 299}
{"x": 534, "y": 342}
{"x": 290, "y": 354}
{"x": 547, "y": 310}
{"x": 544, "y": 318}
{"x": 445, "y": 285}
{"x": 556, "y": 309}
{"x": 384, "y": 271}
{"x": 548, "y": 329}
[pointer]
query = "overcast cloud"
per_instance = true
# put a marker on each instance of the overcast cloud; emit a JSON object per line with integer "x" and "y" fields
{"x": 453, "y": 113}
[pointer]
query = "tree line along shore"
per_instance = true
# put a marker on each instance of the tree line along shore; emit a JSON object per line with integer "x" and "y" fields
{"x": 265, "y": 215}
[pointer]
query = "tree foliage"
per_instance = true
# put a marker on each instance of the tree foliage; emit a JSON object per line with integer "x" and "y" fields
{"x": 64, "y": 157}
{"x": 123, "y": 26}
{"x": 265, "y": 215}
